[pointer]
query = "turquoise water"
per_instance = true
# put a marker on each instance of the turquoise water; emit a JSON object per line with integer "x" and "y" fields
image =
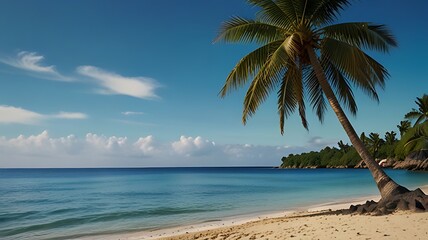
{"x": 68, "y": 203}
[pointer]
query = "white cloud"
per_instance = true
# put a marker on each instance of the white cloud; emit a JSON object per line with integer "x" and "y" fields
{"x": 36, "y": 141}
{"x": 108, "y": 82}
{"x": 146, "y": 145}
{"x": 94, "y": 150}
{"x": 39, "y": 145}
{"x": 70, "y": 115}
{"x": 132, "y": 113}
{"x": 106, "y": 143}
{"x": 32, "y": 62}
{"x": 192, "y": 146}
{"x": 10, "y": 115}
{"x": 112, "y": 83}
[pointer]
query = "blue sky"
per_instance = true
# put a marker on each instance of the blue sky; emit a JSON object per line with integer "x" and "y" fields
{"x": 111, "y": 73}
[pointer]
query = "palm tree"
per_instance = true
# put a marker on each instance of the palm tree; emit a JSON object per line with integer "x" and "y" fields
{"x": 344, "y": 147}
{"x": 420, "y": 114}
{"x": 374, "y": 143}
{"x": 305, "y": 57}
{"x": 403, "y": 127}
{"x": 363, "y": 138}
{"x": 391, "y": 143}
{"x": 390, "y": 137}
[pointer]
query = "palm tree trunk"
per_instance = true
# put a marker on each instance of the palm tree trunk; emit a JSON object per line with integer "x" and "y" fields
{"x": 387, "y": 187}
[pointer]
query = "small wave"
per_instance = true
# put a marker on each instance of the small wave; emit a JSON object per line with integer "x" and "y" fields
{"x": 62, "y": 211}
{"x": 39, "y": 227}
{"x": 96, "y": 218}
{"x": 161, "y": 211}
{"x": 211, "y": 220}
{"x": 14, "y": 216}
{"x": 32, "y": 201}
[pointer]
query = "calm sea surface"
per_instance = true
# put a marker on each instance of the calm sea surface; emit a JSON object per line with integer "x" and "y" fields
{"x": 68, "y": 203}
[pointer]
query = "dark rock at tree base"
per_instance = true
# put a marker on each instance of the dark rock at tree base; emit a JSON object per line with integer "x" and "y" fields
{"x": 403, "y": 205}
{"x": 415, "y": 201}
{"x": 372, "y": 205}
{"x": 353, "y": 208}
{"x": 361, "y": 209}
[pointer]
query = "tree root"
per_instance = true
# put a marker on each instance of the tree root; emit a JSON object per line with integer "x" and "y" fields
{"x": 415, "y": 201}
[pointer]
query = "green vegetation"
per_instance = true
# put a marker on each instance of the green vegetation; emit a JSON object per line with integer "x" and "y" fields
{"x": 327, "y": 157}
{"x": 420, "y": 114}
{"x": 403, "y": 127}
{"x": 412, "y": 139}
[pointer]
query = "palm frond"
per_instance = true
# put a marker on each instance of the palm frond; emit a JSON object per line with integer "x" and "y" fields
{"x": 243, "y": 30}
{"x": 361, "y": 35}
{"x": 414, "y": 114}
{"x": 422, "y": 103}
{"x": 420, "y": 114}
{"x": 287, "y": 102}
{"x": 299, "y": 92}
{"x": 341, "y": 85}
{"x": 325, "y": 11}
{"x": 300, "y": 8}
{"x": 316, "y": 95}
{"x": 248, "y": 66}
{"x": 416, "y": 138}
{"x": 267, "y": 78}
{"x": 291, "y": 46}
{"x": 355, "y": 65}
{"x": 419, "y": 120}
{"x": 291, "y": 9}
{"x": 378, "y": 73}
{"x": 416, "y": 143}
{"x": 271, "y": 13}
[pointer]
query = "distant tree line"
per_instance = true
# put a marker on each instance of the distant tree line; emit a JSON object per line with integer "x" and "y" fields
{"x": 412, "y": 138}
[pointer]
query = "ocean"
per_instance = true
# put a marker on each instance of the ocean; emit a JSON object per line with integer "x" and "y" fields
{"x": 71, "y": 203}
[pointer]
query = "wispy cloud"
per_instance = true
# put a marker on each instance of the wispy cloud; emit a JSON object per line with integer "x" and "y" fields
{"x": 320, "y": 142}
{"x": 70, "y": 115}
{"x": 132, "y": 113}
{"x": 108, "y": 82}
{"x": 115, "y": 84}
{"x": 11, "y": 115}
{"x": 33, "y": 62}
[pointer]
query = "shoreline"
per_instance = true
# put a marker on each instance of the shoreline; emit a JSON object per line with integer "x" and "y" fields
{"x": 237, "y": 221}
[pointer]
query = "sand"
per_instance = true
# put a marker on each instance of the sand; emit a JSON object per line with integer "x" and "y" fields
{"x": 316, "y": 222}
{"x": 401, "y": 225}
